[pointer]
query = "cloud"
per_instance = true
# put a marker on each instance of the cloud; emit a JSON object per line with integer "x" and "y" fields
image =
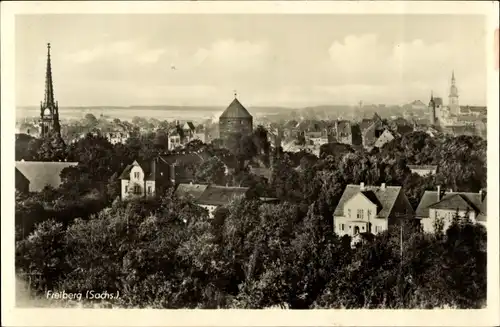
{"x": 364, "y": 59}
{"x": 110, "y": 50}
{"x": 231, "y": 54}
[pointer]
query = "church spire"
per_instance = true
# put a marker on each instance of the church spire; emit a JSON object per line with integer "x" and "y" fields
{"x": 49, "y": 87}
{"x": 453, "y": 77}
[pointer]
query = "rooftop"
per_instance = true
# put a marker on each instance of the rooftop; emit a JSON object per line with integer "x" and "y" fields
{"x": 235, "y": 110}
{"x": 383, "y": 197}
{"x": 42, "y": 173}
{"x": 452, "y": 201}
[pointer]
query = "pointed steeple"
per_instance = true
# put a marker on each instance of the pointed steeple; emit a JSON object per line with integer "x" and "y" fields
{"x": 453, "y": 77}
{"x": 49, "y": 87}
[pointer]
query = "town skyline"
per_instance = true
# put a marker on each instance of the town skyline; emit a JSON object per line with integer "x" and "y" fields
{"x": 119, "y": 66}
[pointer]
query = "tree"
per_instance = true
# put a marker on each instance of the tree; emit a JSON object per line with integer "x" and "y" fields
{"x": 211, "y": 171}
{"x": 40, "y": 257}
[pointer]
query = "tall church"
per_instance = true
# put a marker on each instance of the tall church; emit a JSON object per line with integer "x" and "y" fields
{"x": 453, "y": 105}
{"x": 49, "y": 108}
{"x": 445, "y": 115}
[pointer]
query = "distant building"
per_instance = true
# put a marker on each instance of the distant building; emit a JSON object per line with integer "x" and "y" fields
{"x": 371, "y": 130}
{"x": 211, "y": 197}
{"x": 181, "y": 135}
{"x": 40, "y": 174}
{"x": 440, "y": 208}
{"x": 423, "y": 170}
{"x": 153, "y": 177}
{"x": 370, "y": 209}
{"x": 235, "y": 119}
{"x": 117, "y": 137}
{"x": 346, "y": 132}
{"x": 49, "y": 108}
{"x": 386, "y": 137}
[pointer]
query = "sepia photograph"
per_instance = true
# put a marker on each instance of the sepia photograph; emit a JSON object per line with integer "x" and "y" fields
{"x": 263, "y": 160}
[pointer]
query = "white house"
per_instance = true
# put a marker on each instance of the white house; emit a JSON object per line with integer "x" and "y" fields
{"x": 370, "y": 209}
{"x": 439, "y": 208}
{"x": 423, "y": 170}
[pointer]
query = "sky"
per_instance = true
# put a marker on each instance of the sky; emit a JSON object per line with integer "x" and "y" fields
{"x": 268, "y": 59}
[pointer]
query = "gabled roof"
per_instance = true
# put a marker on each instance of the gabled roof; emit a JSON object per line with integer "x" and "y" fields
{"x": 150, "y": 168}
{"x": 20, "y": 176}
{"x": 450, "y": 201}
{"x": 41, "y": 173}
{"x": 386, "y": 198}
{"x": 193, "y": 190}
{"x": 184, "y": 158}
{"x": 455, "y": 202}
{"x": 221, "y": 195}
{"x": 188, "y": 126}
{"x": 384, "y": 138}
{"x": 235, "y": 110}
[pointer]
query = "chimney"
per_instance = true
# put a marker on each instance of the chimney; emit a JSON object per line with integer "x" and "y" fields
{"x": 439, "y": 192}
{"x": 362, "y": 186}
{"x": 382, "y": 186}
{"x": 172, "y": 173}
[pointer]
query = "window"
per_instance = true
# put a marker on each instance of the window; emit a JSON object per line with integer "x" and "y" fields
{"x": 150, "y": 189}
{"x": 360, "y": 213}
{"x": 126, "y": 188}
{"x": 363, "y": 227}
{"x": 136, "y": 175}
{"x": 342, "y": 227}
{"x": 349, "y": 213}
{"x": 137, "y": 189}
{"x": 369, "y": 213}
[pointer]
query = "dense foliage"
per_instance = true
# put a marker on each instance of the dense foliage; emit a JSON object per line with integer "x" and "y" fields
{"x": 167, "y": 253}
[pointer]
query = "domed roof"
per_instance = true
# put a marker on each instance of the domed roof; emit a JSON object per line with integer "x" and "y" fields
{"x": 235, "y": 110}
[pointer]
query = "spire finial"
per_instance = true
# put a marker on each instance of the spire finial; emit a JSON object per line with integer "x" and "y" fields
{"x": 453, "y": 75}
{"x": 432, "y": 94}
{"x": 49, "y": 87}
{"x": 235, "y": 94}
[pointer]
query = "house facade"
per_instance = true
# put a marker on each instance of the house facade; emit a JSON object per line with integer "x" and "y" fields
{"x": 437, "y": 209}
{"x": 370, "y": 209}
{"x": 423, "y": 170}
{"x": 150, "y": 178}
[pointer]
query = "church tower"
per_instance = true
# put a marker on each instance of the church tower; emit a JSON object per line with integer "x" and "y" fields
{"x": 49, "y": 109}
{"x": 453, "y": 97}
{"x": 432, "y": 108}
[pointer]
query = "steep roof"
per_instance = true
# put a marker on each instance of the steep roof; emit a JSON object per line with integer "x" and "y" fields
{"x": 220, "y": 195}
{"x": 194, "y": 190}
{"x": 41, "y": 173}
{"x": 386, "y": 198}
{"x": 452, "y": 201}
{"x": 184, "y": 158}
{"x": 20, "y": 177}
{"x": 235, "y": 110}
